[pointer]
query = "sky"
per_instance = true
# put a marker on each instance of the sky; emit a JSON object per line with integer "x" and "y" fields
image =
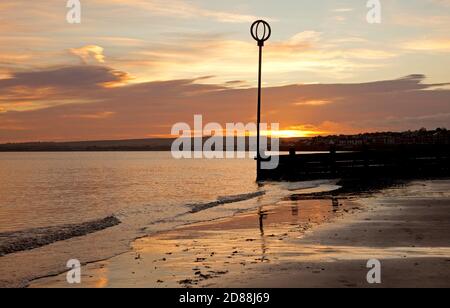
{"x": 132, "y": 69}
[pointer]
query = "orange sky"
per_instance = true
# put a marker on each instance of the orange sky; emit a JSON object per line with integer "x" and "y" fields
{"x": 132, "y": 69}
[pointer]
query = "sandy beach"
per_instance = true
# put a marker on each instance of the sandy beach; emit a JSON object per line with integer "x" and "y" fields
{"x": 296, "y": 243}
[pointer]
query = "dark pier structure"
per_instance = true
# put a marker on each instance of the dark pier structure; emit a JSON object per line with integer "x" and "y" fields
{"x": 397, "y": 162}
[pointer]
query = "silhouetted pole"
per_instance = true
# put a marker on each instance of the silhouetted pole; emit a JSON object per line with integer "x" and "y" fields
{"x": 260, "y": 35}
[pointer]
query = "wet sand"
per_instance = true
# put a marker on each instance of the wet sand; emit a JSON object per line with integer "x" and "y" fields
{"x": 304, "y": 243}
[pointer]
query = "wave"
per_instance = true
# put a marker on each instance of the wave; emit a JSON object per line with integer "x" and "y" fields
{"x": 198, "y": 207}
{"x": 11, "y": 242}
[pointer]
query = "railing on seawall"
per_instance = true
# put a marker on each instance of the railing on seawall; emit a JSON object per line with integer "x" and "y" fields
{"x": 402, "y": 162}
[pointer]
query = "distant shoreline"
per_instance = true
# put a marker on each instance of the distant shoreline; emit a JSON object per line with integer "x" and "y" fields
{"x": 382, "y": 140}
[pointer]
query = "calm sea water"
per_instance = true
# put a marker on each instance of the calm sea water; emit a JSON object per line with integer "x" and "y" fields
{"x": 48, "y": 189}
{"x": 43, "y": 189}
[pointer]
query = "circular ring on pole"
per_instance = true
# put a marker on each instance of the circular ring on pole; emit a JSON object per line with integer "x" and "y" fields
{"x": 261, "y": 31}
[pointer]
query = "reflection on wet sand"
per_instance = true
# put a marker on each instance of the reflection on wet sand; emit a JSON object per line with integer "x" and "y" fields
{"x": 262, "y": 216}
{"x": 275, "y": 247}
{"x": 294, "y": 210}
{"x": 102, "y": 280}
{"x": 199, "y": 254}
{"x": 335, "y": 204}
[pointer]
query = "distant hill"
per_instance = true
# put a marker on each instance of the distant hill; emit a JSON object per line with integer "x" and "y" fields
{"x": 439, "y": 136}
{"x": 106, "y": 145}
{"x": 92, "y": 146}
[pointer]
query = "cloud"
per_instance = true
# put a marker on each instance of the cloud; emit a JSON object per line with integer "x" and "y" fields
{"x": 89, "y": 53}
{"x": 343, "y": 10}
{"x": 151, "y": 108}
{"x": 92, "y": 116}
{"x": 120, "y": 41}
{"x": 184, "y": 9}
{"x": 304, "y": 53}
{"x": 25, "y": 91}
{"x": 313, "y": 102}
{"x": 305, "y": 37}
{"x": 79, "y": 77}
{"x": 420, "y": 20}
{"x": 428, "y": 45}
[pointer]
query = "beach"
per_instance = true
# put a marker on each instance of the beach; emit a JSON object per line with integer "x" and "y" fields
{"x": 303, "y": 241}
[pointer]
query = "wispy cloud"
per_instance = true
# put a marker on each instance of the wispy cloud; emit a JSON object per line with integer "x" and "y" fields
{"x": 306, "y": 51}
{"x": 417, "y": 20}
{"x": 428, "y": 45}
{"x": 93, "y": 116}
{"x": 184, "y": 9}
{"x": 343, "y": 10}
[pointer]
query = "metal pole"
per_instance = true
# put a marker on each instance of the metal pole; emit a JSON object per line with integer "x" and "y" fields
{"x": 258, "y": 141}
{"x": 260, "y": 37}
